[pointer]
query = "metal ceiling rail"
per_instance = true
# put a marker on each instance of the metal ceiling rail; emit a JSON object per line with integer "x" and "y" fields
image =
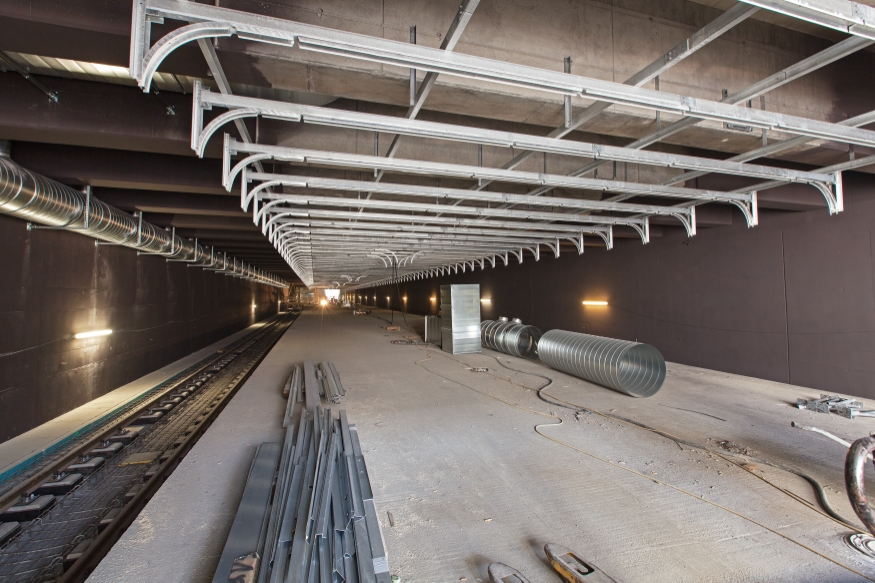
{"x": 210, "y": 21}
{"x": 275, "y": 199}
{"x": 432, "y": 192}
{"x": 849, "y": 17}
{"x": 463, "y": 16}
{"x": 782, "y": 77}
{"x": 418, "y": 167}
{"x": 310, "y": 226}
{"x": 723, "y": 23}
{"x": 204, "y": 99}
{"x": 604, "y": 232}
{"x": 777, "y": 147}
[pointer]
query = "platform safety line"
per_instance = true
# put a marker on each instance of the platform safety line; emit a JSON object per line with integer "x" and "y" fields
{"x": 630, "y": 470}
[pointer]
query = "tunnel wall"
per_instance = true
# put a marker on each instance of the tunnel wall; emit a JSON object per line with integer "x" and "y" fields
{"x": 791, "y": 300}
{"x": 54, "y": 283}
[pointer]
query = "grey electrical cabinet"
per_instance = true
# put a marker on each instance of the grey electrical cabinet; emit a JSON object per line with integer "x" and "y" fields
{"x": 460, "y": 318}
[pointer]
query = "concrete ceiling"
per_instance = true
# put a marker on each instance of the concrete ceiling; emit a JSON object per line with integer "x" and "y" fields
{"x": 134, "y": 148}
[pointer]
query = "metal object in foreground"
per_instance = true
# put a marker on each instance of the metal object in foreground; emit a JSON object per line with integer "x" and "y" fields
{"x": 501, "y": 573}
{"x": 433, "y": 330}
{"x": 855, "y": 466}
{"x": 572, "y": 568}
{"x": 632, "y": 368}
{"x": 510, "y": 337}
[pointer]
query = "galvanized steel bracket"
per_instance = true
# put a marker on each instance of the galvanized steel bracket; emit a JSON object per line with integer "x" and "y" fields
{"x": 833, "y": 192}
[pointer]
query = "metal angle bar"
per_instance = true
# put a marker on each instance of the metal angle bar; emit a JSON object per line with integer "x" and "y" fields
{"x": 463, "y": 16}
{"x": 849, "y": 17}
{"x": 205, "y": 99}
{"x": 634, "y": 188}
{"x": 399, "y": 218}
{"x": 776, "y": 147}
{"x": 436, "y": 208}
{"x": 433, "y": 192}
{"x": 308, "y": 37}
{"x": 723, "y": 23}
{"x": 417, "y": 167}
{"x": 791, "y": 73}
{"x": 423, "y": 230}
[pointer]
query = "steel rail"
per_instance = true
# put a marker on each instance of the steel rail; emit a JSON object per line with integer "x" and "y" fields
{"x": 125, "y": 418}
{"x": 204, "y": 99}
{"x": 848, "y": 17}
{"x": 210, "y": 21}
{"x": 101, "y": 545}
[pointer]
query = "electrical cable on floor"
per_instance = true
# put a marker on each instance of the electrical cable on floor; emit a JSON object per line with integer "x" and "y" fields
{"x": 630, "y": 470}
{"x": 827, "y": 509}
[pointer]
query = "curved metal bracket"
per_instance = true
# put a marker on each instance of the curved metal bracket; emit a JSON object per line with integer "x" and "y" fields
{"x": 643, "y": 229}
{"x": 231, "y": 175}
{"x": 519, "y": 255}
{"x": 257, "y": 214}
{"x": 578, "y": 242}
{"x": 505, "y": 258}
{"x": 608, "y": 237}
{"x": 749, "y": 209}
{"x": 199, "y": 139}
{"x": 492, "y": 260}
{"x": 173, "y": 41}
{"x": 554, "y": 247}
{"x": 688, "y": 220}
{"x": 833, "y": 193}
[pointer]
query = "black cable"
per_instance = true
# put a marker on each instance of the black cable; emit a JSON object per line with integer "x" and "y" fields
{"x": 818, "y": 488}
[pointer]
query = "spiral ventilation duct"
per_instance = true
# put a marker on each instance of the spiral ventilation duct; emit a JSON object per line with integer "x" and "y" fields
{"x": 510, "y": 337}
{"x": 632, "y": 368}
{"x": 38, "y": 199}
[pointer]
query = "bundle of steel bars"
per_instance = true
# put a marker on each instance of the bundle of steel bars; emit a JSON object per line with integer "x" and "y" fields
{"x": 307, "y": 513}
{"x": 331, "y": 386}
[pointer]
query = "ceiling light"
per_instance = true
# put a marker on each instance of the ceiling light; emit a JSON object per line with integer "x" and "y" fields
{"x": 92, "y": 334}
{"x": 594, "y": 303}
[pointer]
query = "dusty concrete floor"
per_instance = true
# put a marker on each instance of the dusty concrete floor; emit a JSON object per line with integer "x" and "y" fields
{"x": 475, "y": 468}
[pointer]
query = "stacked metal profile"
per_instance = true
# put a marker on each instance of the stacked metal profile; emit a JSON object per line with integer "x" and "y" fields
{"x": 632, "y": 368}
{"x": 510, "y": 337}
{"x": 331, "y": 385}
{"x": 321, "y": 523}
{"x": 460, "y": 318}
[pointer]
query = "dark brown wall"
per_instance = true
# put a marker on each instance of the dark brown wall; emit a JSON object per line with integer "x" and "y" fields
{"x": 791, "y": 300}
{"x": 55, "y": 283}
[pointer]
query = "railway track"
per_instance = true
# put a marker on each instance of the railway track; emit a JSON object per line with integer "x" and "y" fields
{"x": 60, "y": 515}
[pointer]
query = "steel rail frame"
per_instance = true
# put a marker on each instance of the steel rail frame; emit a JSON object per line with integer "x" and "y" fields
{"x": 334, "y": 185}
{"x": 204, "y": 99}
{"x": 848, "y": 17}
{"x": 209, "y": 21}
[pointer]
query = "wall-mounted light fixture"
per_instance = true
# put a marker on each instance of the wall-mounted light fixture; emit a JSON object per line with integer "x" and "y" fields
{"x": 485, "y": 301}
{"x": 92, "y": 334}
{"x": 404, "y": 298}
{"x": 432, "y": 299}
{"x": 594, "y": 303}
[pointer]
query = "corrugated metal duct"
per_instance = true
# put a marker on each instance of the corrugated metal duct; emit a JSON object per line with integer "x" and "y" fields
{"x": 32, "y": 197}
{"x": 632, "y": 368}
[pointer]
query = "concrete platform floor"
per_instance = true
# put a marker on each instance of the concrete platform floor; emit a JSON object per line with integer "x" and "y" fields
{"x": 475, "y": 468}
